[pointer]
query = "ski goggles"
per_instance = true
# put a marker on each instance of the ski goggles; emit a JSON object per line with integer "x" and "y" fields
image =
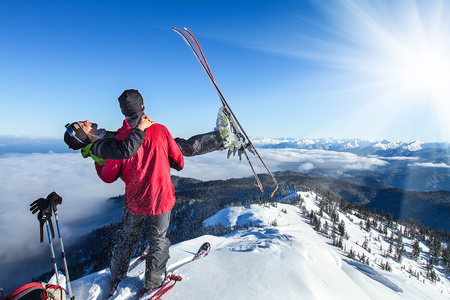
{"x": 73, "y": 132}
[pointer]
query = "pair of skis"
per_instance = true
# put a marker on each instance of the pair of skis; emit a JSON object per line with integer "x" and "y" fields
{"x": 172, "y": 279}
{"x": 192, "y": 42}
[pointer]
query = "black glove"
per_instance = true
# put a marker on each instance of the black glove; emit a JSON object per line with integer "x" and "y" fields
{"x": 53, "y": 200}
{"x": 44, "y": 209}
{"x": 40, "y": 204}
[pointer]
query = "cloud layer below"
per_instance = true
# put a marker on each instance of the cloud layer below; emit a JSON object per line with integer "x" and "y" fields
{"x": 27, "y": 177}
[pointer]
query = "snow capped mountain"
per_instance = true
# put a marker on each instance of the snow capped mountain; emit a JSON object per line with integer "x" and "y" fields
{"x": 416, "y": 145}
{"x": 274, "y": 253}
{"x": 385, "y": 145}
{"x": 347, "y": 144}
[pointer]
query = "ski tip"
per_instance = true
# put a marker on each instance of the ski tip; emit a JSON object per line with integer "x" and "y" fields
{"x": 205, "y": 247}
{"x": 271, "y": 196}
{"x": 260, "y": 187}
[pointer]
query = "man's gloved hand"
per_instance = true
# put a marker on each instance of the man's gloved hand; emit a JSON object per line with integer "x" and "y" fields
{"x": 238, "y": 144}
{"x": 232, "y": 138}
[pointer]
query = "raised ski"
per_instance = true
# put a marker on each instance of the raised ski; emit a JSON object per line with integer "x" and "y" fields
{"x": 192, "y": 42}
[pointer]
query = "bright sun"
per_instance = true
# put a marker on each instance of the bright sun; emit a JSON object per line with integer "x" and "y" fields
{"x": 400, "y": 52}
{"x": 422, "y": 68}
{"x": 407, "y": 45}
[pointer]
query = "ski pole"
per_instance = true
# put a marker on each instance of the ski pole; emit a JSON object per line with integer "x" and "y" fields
{"x": 63, "y": 254}
{"x": 53, "y": 260}
{"x": 54, "y": 199}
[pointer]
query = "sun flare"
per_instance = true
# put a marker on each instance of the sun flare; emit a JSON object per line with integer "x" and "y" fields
{"x": 420, "y": 67}
{"x": 397, "y": 57}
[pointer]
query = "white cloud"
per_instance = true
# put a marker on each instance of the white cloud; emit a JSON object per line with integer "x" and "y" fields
{"x": 306, "y": 167}
{"x": 430, "y": 165}
{"x": 320, "y": 159}
{"x": 27, "y": 177}
{"x": 217, "y": 166}
{"x": 398, "y": 158}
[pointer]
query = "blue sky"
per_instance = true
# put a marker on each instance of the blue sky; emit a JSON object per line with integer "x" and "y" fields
{"x": 342, "y": 69}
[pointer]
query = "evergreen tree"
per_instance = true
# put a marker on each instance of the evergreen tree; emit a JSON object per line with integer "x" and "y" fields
{"x": 343, "y": 205}
{"x": 390, "y": 248}
{"x": 368, "y": 225}
{"x": 430, "y": 267}
{"x": 399, "y": 253}
{"x": 334, "y": 216}
{"x": 446, "y": 258}
{"x": 386, "y": 266}
{"x": 399, "y": 239}
{"x": 365, "y": 244}
{"x": 352, "y": 254}
{"x": 341, "y": 228}
{"x": 325, "y": 228}
{"x": 435, "y": 246}
{"x": 416, "y": 250}
{"x": 389, "y": 219}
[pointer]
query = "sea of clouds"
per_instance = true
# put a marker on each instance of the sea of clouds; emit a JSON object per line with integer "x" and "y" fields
{"x": 27, "y": 177}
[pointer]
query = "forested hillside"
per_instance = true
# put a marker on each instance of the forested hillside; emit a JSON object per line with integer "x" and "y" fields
{"x": 198, "y": 200}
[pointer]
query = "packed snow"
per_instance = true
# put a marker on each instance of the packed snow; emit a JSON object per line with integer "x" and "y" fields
{"x": 274, "y": 253}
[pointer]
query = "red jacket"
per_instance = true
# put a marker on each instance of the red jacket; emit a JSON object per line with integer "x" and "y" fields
{"x": 148, "y": 187}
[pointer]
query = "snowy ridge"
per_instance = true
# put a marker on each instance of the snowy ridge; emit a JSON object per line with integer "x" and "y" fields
{"x": 274, "y": 253}
{"x": 346, "y": 144}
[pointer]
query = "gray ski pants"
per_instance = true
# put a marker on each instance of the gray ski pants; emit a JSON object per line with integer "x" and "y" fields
{"x": 156, "y": 260}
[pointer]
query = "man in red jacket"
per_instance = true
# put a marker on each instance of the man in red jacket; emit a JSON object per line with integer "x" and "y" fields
{"x": 142, "y": 195}
{"x": 149, "y": 193}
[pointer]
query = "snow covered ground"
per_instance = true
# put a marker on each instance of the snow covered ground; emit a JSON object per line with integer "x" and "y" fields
{"x": 281, "y": 257}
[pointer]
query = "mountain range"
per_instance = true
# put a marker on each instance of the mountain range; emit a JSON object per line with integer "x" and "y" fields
{"x": 17, "y": 144}
{"x": 412, "y": 166}
{"x": 351, "y": 145}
